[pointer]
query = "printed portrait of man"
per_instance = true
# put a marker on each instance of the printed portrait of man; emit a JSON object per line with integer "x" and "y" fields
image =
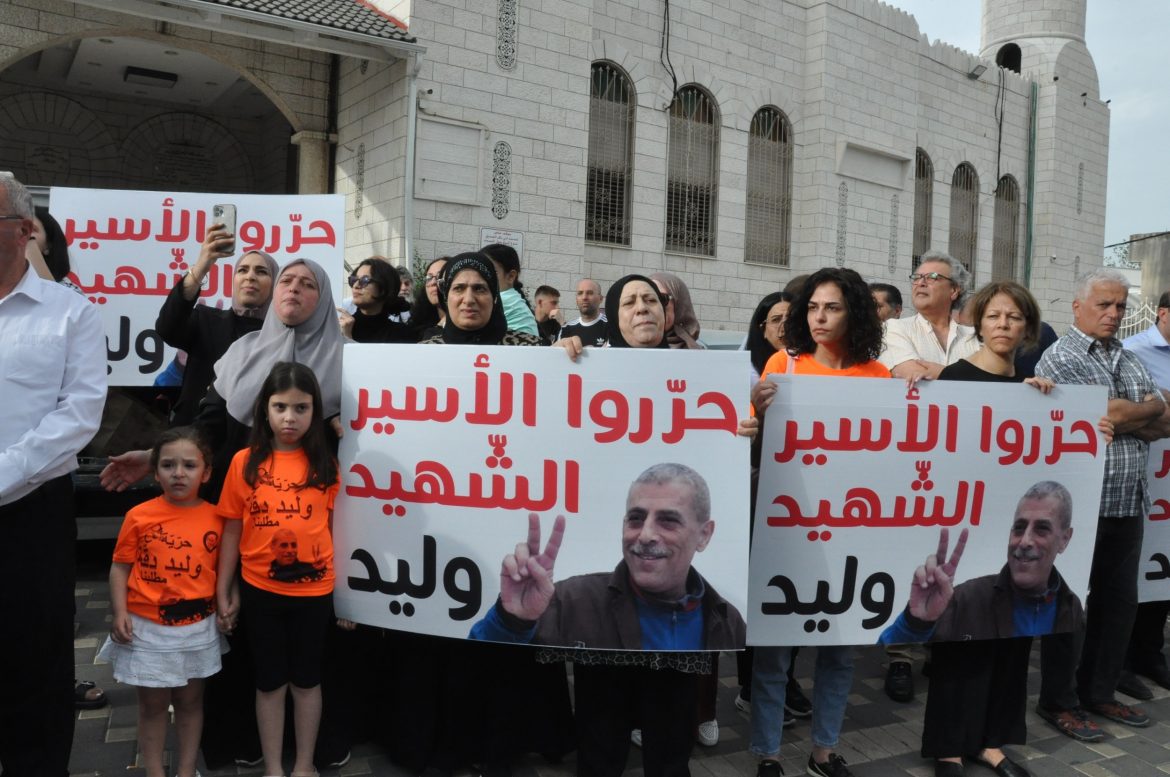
{"x": 1027, "y": 597}
{"x": 654, "y": 599}
{"x": 286, "y": 567}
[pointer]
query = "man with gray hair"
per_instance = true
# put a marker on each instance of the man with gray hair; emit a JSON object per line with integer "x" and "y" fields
{"x": 1091, "y": 354}
{"x": 667, "y": 521}
{"x": 652, "y": 601}
{"x": 53, "y": 371}
{"x": 921, "y": 345}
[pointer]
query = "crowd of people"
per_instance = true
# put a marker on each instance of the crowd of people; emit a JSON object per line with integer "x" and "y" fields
{"x": 256, "y": 426}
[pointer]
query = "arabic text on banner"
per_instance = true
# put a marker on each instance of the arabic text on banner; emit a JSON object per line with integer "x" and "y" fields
{"x": 447, "y": 449}
{"x": 129, "y": 248}
{"x": 1154, "y": 567}
{"x": 859, "y": 476}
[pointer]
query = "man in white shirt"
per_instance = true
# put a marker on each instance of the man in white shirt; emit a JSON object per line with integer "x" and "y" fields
{"x": 920, "y": 346}
{"x": 53, "y": 381}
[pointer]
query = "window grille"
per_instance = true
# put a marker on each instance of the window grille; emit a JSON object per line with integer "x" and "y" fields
{"x": 769, "y": 188}
{"x": 692, "y": 173}
{"x": 923, "y": 195}
{"x": 1006, "y": 244}
{"x": 965, "y": 216}
{"x": 611, "y": 153}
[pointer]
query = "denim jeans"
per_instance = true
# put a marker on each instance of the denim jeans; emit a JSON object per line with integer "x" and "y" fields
{"x": 832, "y": 680}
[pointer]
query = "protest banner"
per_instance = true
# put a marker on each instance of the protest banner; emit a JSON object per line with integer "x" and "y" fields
{"x": 860, "y": 477}
{"x": 448, "y": 450}
{"x": 129, "y": 248}
{"x": 1154, "y": 567}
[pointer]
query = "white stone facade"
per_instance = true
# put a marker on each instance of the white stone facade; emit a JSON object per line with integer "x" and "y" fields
{"x": 850, "y": 75}
{"x": 860, "y": 85}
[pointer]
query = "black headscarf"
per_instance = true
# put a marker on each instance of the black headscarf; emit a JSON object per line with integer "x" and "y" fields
{"x": 497, "y": 325}
{"x": 613, "y": 303}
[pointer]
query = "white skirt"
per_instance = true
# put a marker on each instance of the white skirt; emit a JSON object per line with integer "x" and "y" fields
{"x": 166, "y": 656}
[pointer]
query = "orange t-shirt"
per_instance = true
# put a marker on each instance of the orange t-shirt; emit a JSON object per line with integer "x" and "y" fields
{"x": 807, "y": 365}
{"x": 174, "y": 551}
{"x": 286, "y": 545}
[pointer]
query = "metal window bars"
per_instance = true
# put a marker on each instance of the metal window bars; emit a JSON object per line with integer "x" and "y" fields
{"x": 965, "y": 217}
{"x": 611, "y": 153}
{"x": 1005, "y": 245}
{"x": 768, "y": 213}
{"x": 692, "y": 172}
{"x": 923, "y": 206}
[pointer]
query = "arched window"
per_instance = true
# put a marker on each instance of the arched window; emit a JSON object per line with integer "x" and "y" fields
{"x": 692, "y": 172}
{"x": 1009, "y": 57}
{"x": 965, "y": 216}
{"x": 1006, "y": 245}
{"x": 923, "y": 208}
{"x": 611, "y": 154}
{"x": 769, "y": 188}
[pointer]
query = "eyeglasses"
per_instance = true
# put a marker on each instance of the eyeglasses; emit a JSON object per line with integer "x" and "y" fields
{"x": 11, "y": 218}
{"x": 428, "y": 278}
{"x": 360, "y": 282}
{"x": 929, "y": 277}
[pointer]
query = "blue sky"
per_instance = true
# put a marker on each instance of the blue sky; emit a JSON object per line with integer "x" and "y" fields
{"x": 1127, "y": 41}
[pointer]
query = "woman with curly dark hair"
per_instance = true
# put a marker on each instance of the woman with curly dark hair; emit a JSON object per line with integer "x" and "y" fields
{"x": 832, "y": 328}
{"x": 848, "y": 334}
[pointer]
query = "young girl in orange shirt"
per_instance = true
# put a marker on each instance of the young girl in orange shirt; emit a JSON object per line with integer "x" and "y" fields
{"x": 277, "y": 505}
{"x": 162, "y": 593}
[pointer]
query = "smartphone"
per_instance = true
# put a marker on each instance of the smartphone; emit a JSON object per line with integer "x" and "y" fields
{"x": 226, "y": 215}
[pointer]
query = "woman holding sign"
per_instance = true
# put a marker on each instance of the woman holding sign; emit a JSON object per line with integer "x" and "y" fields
{"x": 978, "y": 690}
{"x": 832, "y": 328}
{"x": 446, "y": 684}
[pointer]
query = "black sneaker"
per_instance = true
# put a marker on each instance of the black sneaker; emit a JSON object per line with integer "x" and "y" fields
{"x": 789, "y": 719}
{"x": 834, "y": 767}
{"x": 900, "y": 681}
{"x": 795, "y": 701}
{"x": 769, "y": 768}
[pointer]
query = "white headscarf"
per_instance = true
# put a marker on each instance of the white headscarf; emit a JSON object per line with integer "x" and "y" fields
{"x": 315, "y": 343}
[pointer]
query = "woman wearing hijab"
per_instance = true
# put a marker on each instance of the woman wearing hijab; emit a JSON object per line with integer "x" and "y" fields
{"x": 204, "y": 332}
{"x": 470, "y": 297}
{"x": 300, "y": 326}
{"x": 449, "y": 683}
{"x": 635, "y": 312}
{"x": 682, "y": 325}
{"x": 374, "y": 313}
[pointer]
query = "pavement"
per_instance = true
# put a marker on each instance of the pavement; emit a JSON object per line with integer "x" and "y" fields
{"x": 880, "y": 738}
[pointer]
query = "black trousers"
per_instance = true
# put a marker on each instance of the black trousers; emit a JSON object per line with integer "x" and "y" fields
{"x": 612, "y": 700}
{"x": 1109, "y": 618}
{"x": 37, "y": 575}
{"x": 1147, "y": 639}
{"x": 977, "y": 698}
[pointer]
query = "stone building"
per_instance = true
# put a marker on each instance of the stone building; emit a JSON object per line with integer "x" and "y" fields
{"x": 735, "y": 144}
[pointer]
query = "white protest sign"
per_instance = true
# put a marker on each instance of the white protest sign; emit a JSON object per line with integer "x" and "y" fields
{"x": 447, "y": 449}
{"x": 859, "y": 476}
{"x": 1154, "y": 566}
{"x": 129, "y": 248}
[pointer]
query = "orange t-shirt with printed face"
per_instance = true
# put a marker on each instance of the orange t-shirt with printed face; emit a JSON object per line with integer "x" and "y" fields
{"x": 174, "y": 551}
{"x": 286, "y": 542}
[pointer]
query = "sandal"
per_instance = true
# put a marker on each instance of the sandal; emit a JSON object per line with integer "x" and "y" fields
{"x": 82, "y": 699}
